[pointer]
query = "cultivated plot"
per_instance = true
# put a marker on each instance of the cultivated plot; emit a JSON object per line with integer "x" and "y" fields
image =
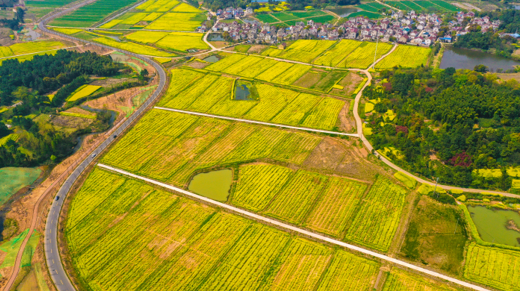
{"x": 214, "y": 94}
{"x": 128, "y": 235}
{"x": 405, "y": 56}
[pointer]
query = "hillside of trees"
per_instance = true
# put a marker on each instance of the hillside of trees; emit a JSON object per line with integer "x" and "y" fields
{"x": 294, "y": 4}
{"x": 27, "y": 85}
{"x": 448, "y": 123}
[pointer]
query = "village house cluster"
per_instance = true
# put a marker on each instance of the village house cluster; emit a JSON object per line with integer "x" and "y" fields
{"x": 412, "y": 28}
{"x": 466, "y": 20}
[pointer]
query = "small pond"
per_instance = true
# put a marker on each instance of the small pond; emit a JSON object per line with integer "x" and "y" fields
{"x": 215, "y": 37}
{"x": 492, "y": 225}
{"x": 242, "y": 92}
{"x": 467, "y": 59}
{"x": 345, "y": 11}
{"x": 214, "y": 185}
{"x": 211, "y": 59}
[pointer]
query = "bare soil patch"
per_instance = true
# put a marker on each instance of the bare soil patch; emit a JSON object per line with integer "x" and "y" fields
{"x": 346, "y": 120}
{"x": 326, "y": 156}
{"x": 349, "y": 83}
{"x": 256, "y": 49}
{"x": 198, "y": 65}
{"x": 109, "y": 82}
{"x": 220, "y": 44}
{"x": 308, "y": 80}
{"x": 510, "y": 76}
{"x": 72, "y": 122}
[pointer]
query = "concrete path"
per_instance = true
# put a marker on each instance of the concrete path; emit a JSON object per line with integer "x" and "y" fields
{"x": 259, "y": 122}
{"x": 290, "y": 228}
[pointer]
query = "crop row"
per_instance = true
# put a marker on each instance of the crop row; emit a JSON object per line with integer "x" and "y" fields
{"x": 498, "y": 268}
{"x": 334, "y": 56}
{"x": 405, "y": 56}
{"x": 260, "y": 68}
{"x": 163, "y": 138}
{"x": 296, "y": 198}
{"x": 342, "y": 54}
{"x": 302, "y": 50}
{"x": 158, "y": 5}
{"x": 400, "y": 280}
{"x": 133, "y": 47}
{"x": 158, "y": 241}
{"x": 365, "y": 54}
{"x": 179, "y": 21}
{"x": 212, "y": 93}
{"x": 324, "y": 203}
{"x": 258, "y": 183}
{"x": 90, "y": 14}
{"x": 378, "y": 216}
{"x": 178, "y": 41}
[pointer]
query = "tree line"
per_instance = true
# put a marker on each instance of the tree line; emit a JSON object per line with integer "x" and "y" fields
{"x": 448, "y": 123}
{"x": 26, "y": 84}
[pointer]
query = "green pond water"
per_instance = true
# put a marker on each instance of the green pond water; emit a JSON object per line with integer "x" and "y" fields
{"x": 14, "y": 179}
{"x": 491, "y": 225}
{"x": 214, "y": 185}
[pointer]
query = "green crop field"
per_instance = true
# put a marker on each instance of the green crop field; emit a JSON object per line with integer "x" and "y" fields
{"x": 291, "y": 18}
{"x": 267, "y": 18}
{"x": 179, "y": 244}
{"x": 405, "y": 56}
{"x": 378, "y": 216}
{"x": 367, "y": 7}
{"x": 446, "y": 5}
{"x": 47, "y": 3}
{"x": 494, "y": 267}
{"x": 413, "y": 5}
{"x": 212, "y": 94}
{"x": 366, "y": 14}
{"x": 88, "y": 15}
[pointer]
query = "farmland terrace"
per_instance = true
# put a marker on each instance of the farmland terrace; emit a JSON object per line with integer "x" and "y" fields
{"x": 307, "y": 197}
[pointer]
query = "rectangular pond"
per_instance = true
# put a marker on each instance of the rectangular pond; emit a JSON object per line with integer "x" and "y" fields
{"x": 496, "y": 225}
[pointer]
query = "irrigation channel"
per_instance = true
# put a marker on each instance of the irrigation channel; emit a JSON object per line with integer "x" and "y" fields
{"x": 58, "y": 274}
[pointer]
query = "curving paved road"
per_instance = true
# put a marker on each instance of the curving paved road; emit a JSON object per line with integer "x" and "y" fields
{"x": 291, "y": 228}
{"x": 258, "y": 122}
{"x": 359, "y": 125}
{"x": 54, "y": 264}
